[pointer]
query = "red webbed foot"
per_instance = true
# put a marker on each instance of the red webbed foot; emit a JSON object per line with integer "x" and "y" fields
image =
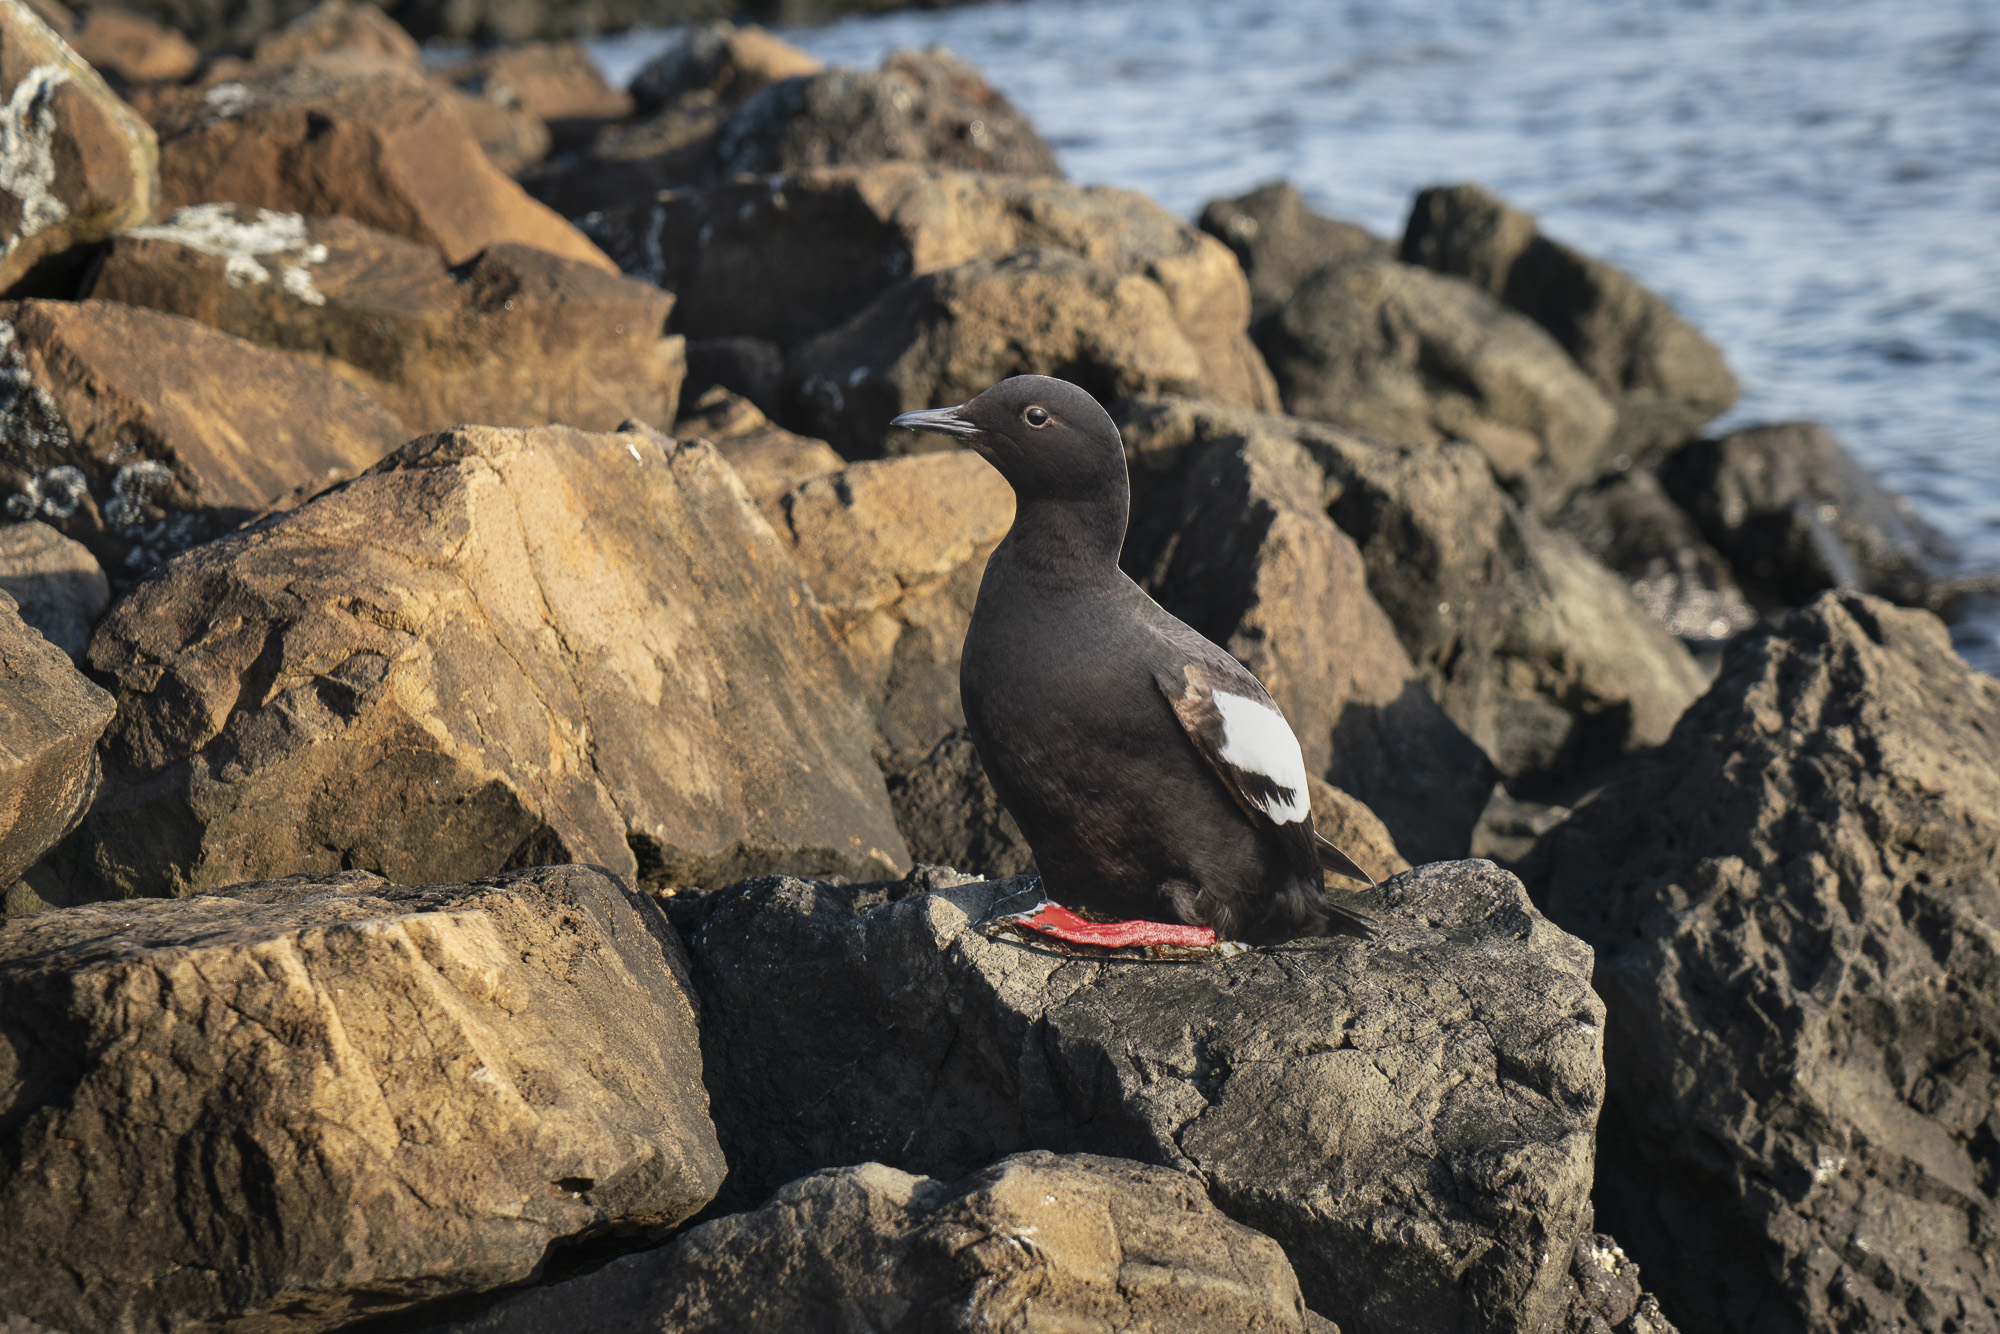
{"x": 1058, "y": 922}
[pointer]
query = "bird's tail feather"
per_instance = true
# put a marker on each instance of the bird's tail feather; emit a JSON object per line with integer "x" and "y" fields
{"x": 1333, "y": 859}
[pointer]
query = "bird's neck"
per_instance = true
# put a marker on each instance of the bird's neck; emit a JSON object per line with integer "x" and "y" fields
{"x": 1069, "y": 540}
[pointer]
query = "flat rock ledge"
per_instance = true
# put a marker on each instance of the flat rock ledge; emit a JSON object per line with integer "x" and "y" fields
{"x": 310, "y": 1100}
{"x": 1411, "y": 1118}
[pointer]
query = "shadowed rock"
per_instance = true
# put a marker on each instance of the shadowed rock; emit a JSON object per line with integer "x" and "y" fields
{"x": 129, "y": 48}
{"x": 497, "y": 648}
{"x": 1344, "y": 1097}
{"x": 57, "y": 585}
{"x": 718, "y": 62}
{"x": 141, "y": 434}
{"x": 313, "y": 1099}
{"x": 1280, "y": 241}
{"x": 1664, "y": 376}
{"x": 517, "y": 337}
{"x": 1067, "y": 1241}
{"x": 1793, "y": 905}
{"x": 50, "y": 719}
{"x": 78, "y": 164}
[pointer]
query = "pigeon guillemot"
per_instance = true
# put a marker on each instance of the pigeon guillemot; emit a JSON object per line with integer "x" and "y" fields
{"x": 1153, "y": 776}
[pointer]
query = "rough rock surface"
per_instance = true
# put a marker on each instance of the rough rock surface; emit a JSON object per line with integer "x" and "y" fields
{"x": 1037, "y": 1241}
{"x": 1627, "y": 521}
{"x": 769, "y": 459}
{"x": 1606, "y": 1294}
{"x": 555, "y": 82}
{"x": 372, "y": 141}
{"x": 1346, "y": 821}
{"x": 1246, "y": 554}
{"x": 130, "y": 48}
{"x": 1664, "y": 376}
{"x": 1280, "y": 241}
{"x": 950, "y": 813}
{"x": 920, "y": 106}
{"x": 497, "y": 648}
{"x": 325, "y": 1097}
{"x": 140, "y": 434}
{"x": 1410, "y": 1118}
{"x": 1536, "y": 651}
{"x": 50, "y": 720}
{"x": 719, "y": 63}
{"x": 942, "y": 338}
{"x": 1413, "y": 357}
{"x": 77, "y": 163}
{"x": 517, "y": 337}
{"x": 57, "y": 585}
{"x": 1793, "y": 903}
{"x": 784, "y": 260}
{"x": 1797, "y": 514}
{"x": 349, "y": 26}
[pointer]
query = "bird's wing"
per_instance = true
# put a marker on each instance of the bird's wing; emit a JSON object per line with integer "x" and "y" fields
{"x": 1237, "y": 728}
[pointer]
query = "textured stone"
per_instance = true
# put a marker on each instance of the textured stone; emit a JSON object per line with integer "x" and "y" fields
{"x": 131, "y": 48}
{"x": 950, "y": 814}
{"x": 50, "y": 720}
{"x": 140, "y": 434}
{"x": 57, "y": 585}
{"x": 1664, "y": 376}
{"x": 769, "y": 459}
{"x": 1793, "y": 904}
{"x": 1410, "y": 1118}
{"x": 78, "y": 164}
{"x": 720, "y": 63}
{"x": 1412, "y": 357}
{"x": 369, "y": 140}
{"x": 1037, "y": 1241}
{"x": 1280, "y": 241}
{"x": 518, "y": 337}
{"x": 497, "y": 648}
{"x": 314, "y": 1099}
{"x": 357, "y": 26}
{"x": 555, "y": 82}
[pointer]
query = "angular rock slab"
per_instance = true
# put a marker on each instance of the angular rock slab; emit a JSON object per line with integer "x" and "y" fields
{"x": 78, "y": 164}
{"x": 323, "y": 1097}
{"x": 517, "y": 337}
{"x": 1411, "y": 1118}
{"x": 140, "y": 434}
{"x": 1280, "y": 241}
{"x": 50, "y": 720}
{"x": 1794, "y": 902}
{"x": 1037, "y": 1241}
{"x": 57, "y": 585}
{"x": 498, "y": 648}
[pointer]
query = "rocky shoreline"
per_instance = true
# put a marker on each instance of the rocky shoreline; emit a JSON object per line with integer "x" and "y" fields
{"x": 489, "y": 838}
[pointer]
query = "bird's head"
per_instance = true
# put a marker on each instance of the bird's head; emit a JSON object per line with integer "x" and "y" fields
{"x": 1046, "y": 436}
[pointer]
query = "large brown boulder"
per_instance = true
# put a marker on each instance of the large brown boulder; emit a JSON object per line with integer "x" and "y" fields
{"x": 349, "y": 26}
{"x": 720, "y": 63}
{"x": 1413, "y": 357}
{"x": 769, "y": 459}
{"x": 1281, "y": 241}
{"x": 1797, "y": 515}
{"x": 1038, "y": 1240}
{"x": 496, "y": 648}
{"x": 50, "y": 720}
{"x": 1793, "y": 905}
{"x": 944, "y": 337}
{"x": 309, "y": 1100}
{"x": 784, "y": 260}
{"x": 518, "y": 337}
{"x": 1245, "y": 553}
{"x": 920, "y": 106}
{"x": 77, "y": 163}
{"x": 130, "y": 48}
{"x": 140, "y": 434}
{"x": 1536, "y": 651}
{"x": 58, "y": 587}
{"x": 371, "y": 140}
{"x": 1411, "y": 1118}
{"x": 1664, "y": 376}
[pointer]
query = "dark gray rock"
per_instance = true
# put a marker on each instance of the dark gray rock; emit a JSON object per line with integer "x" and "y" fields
{"x": 1797, "y": 514}
{"x": 1413, "y": 357}
{"x": 1411, "y": 1118}
{"x": 1037, "y": 1241}
{"x": 1793, "y": 905}
{"x": 57, "y": 585}
{"x": 309, "y": 1100}
{"x": 1536, "y": 651}
{"x": 1626, "y": 520}
{"x": 1664, "y": 376}
{"x": 50, "y": 720}
{"x": 950, "y": 814}
{"x": 719, "y": 63}
{"x": 1280, "y": 241}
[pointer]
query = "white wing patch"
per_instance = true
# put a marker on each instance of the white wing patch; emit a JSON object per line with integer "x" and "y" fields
{"x": 1256, "y": 739}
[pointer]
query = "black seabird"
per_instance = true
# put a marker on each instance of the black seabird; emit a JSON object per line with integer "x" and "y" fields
{"x": 1152, "y": 774}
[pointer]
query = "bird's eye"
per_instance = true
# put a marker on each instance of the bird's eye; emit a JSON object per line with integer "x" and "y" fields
{"x": 1036, "y": 417}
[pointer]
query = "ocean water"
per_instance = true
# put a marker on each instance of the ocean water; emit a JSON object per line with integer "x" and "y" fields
{"x": 1815, "y": 183}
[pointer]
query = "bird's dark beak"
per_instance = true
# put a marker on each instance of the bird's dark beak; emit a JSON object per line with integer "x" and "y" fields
{"x": 938, "y": 421}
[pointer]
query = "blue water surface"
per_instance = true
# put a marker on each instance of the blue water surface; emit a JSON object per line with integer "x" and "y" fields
{"x": 1816, "y": 185}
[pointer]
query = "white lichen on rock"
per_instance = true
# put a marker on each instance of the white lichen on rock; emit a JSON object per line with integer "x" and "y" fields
{"x": 244, "y": 247}
{"x": 27, "y": 153}
{"x": 31, "y": 429}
